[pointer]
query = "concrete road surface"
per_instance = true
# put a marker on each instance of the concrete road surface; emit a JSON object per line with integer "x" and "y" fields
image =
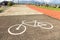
{"x": 19, "y": 10}
{"x": 32, "y": 33}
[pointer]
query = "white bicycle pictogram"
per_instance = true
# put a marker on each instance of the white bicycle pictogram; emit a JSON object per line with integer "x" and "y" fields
{"x": 44, "y": 25}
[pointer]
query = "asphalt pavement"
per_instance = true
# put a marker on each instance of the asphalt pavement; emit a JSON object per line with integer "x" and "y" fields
{"x": 32, "y": 33}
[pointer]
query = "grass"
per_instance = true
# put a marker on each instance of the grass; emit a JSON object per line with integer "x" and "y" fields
{"x": 50, "y": 8}
{"x": 1, "y": 10}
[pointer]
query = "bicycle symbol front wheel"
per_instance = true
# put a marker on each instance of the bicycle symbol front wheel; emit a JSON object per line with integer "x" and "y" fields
{"x": 45, "y": 25}
{"x": 12, "y": 30}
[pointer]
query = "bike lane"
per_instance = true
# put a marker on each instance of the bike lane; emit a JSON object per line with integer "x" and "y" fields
{"x": 32, "y": 33}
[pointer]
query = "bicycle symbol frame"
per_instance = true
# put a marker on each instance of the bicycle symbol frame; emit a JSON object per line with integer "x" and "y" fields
{"x": 35, "y": 24}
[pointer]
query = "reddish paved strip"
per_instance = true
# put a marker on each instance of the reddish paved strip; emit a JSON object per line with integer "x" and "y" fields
{"x": 52, "y": 13}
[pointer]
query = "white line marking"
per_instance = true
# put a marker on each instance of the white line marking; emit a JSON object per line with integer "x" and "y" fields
{"x": 35, "y": 24}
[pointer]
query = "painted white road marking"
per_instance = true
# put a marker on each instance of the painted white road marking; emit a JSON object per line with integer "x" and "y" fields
{"x": 36, "y": 24}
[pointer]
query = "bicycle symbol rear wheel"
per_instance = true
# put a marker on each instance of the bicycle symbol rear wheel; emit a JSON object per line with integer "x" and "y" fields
{"x": 13, "y": 28}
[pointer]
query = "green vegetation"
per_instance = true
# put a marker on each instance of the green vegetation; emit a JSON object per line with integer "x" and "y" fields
{"x": 10, "y": 3}
{"x": 1, "y": 10}
{"x": 5, "y": 5}
{"x": 50, "y": 8}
